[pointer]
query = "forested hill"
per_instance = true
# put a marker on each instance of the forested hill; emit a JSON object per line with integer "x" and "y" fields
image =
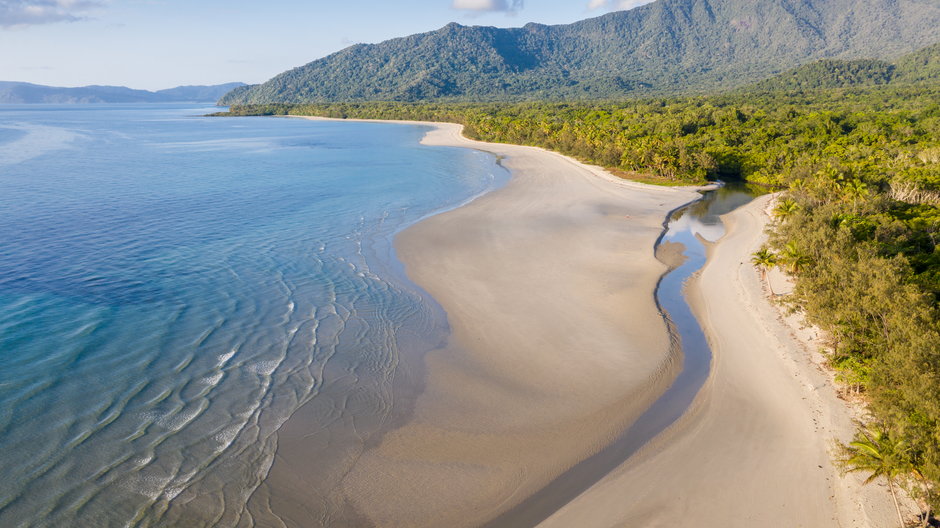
{"x": 920, "y": 67}
{"x": 27, "y": 93}
{"x": 668, "y": 46}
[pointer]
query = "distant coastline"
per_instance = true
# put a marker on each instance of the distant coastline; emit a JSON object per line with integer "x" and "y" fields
{"x": 28, "y": 93}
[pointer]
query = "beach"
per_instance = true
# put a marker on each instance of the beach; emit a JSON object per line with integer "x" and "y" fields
{"x": 557, "y": 346}
{"x": 556, "y": 342}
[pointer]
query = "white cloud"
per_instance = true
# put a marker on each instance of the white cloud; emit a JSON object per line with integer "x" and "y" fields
{"x": 32, "y": 12}
{"x": 616, "y": 5}
{"x": 509, "y": 6}
{"x": 624, "y": 5}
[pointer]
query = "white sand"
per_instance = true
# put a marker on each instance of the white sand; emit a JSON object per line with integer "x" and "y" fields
{"x": 754, "y": 450}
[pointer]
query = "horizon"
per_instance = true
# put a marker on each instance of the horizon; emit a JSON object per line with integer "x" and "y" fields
{"x": 69, "y": 44}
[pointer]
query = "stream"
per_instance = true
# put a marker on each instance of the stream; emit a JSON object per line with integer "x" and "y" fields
{"x": 685, "y": 230}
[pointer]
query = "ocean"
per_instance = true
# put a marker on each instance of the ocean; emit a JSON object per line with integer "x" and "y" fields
{"x": 173, "y": 287}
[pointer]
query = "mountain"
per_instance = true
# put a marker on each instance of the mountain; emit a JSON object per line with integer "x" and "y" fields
{"x": 668, "y": 46}
{"x": 830, "y": 73}
{"x": 920, "y": 67}
{"x": 20, "y": 93}
{"x": 197, "y": 94}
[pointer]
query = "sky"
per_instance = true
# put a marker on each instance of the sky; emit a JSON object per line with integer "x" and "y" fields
{"x": 156, "y": 44}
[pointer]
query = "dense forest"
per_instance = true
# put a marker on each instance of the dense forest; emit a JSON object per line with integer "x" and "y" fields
{"x": 665, "y": 47}
{"x": 858, "y": 226}
{"x": 922, "y": 66}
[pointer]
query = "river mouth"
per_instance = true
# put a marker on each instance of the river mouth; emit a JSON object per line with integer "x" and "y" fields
{"x": 683, "y": 248}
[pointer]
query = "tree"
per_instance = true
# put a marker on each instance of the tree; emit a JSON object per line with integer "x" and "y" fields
{"x": 785, "y": 209}
{"x": 875, "y": 452}
{"x": 764, "y": 259}
{"x": 854, "y": 190}
{"x": 926, "y": 489}
{"x": 794, "y": 257}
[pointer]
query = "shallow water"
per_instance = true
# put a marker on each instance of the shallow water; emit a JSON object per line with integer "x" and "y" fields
{"x": 173, "y": 287}
{"x": 689, "y": 226}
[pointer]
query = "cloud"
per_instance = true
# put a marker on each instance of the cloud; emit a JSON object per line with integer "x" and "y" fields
{"x": 509, "y": 6}
{"x": 33, "y": 12}
{"x": 616, "y": 5}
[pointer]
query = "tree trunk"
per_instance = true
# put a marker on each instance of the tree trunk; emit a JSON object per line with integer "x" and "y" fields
{"x": 766, "y": 276}
{"x": 897, "y": 506}
{"x": 923, "y": 483}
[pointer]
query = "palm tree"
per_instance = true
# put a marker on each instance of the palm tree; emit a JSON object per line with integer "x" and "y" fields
{"x": 874, "y": 452}
{"x": 785, "y": 209}
{"x": 794, "y": 257}
{"x": 765, "y": 260}
{"x": 855, "y": 189}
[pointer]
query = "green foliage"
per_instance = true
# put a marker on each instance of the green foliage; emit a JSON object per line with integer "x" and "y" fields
{"x": 870, "y": 281}
{"x": 764, "y": 258}
{"x": 919, "y": 67}
{"x": 875, "y": 452}
{"x": 785, "y": 208}
{"x": 670, "y": 46}
{"x": 831, "y": 73}
{"x": 795, "y": 259}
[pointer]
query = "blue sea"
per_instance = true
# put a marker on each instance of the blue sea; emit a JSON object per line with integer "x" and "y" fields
{"x": 173, "y": 287}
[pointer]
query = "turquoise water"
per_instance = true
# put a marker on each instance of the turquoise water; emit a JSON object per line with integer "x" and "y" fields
{"x": 173, "y": 287}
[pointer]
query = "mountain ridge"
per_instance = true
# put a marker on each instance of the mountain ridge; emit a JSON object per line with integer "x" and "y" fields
{"x": 12, "y": 92}
{"x": 668, "y": 46}
{"x": 920, "y": 67}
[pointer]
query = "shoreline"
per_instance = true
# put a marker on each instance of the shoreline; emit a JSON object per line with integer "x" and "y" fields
{"x": 490, "y": 429}
{"x": 557, "y": 344}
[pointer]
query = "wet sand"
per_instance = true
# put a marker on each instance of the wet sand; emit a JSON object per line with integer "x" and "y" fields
{"x": 557, "y": 345}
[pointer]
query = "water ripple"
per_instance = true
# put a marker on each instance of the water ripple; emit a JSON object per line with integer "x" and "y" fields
{"x": 172, "y": 291}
